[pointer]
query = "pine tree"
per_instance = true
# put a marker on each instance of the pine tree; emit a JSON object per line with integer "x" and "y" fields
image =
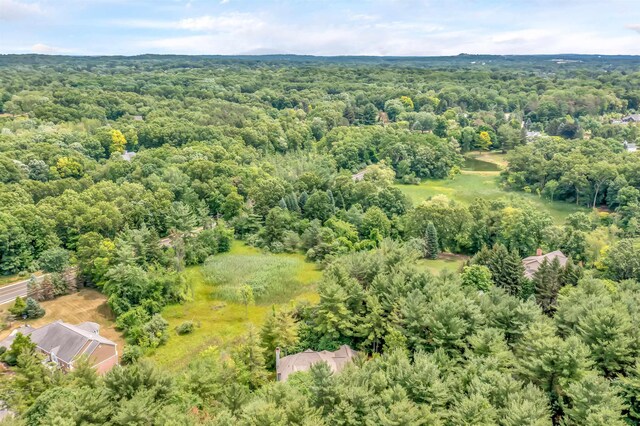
{"x": 571, "y": 273}
{"x": 303, "y": 199}
{"x": 431, "y": 246}
{"x": 47, "y": 291}
{"x": 279, "y": 330}
{"x": 547, "y": 283}
{"x": 33, "y": 309}
{"x": 507, "y": 269}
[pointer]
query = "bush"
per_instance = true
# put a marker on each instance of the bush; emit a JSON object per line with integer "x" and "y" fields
{"x": 131, "y": 354}
{"x": 18, "y": 307}
{"x": 185, "y": 328}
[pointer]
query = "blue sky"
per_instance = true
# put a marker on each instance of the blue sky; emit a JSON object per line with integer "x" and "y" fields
{"x": 331, "y": 27}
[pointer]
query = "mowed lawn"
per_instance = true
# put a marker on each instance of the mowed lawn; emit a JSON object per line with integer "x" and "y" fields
{"x": 444, "y": 262}
{"x": 85, "y": 305}
{"x": 279, "y": 279}
{"x": 470, "y": 185}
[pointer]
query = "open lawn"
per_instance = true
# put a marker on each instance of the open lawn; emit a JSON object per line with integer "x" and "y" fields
{"x": 470, "y": 185}
{"x": 444, "y": 262}
{"x": 85, "y": 305}
{"x": 215, "y": 309}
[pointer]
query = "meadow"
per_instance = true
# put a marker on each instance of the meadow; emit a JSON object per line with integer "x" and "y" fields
{"x": 480, "y": 179}
{"x": 280, "y": 280}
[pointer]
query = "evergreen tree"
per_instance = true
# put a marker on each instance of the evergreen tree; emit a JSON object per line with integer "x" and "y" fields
{"x": 280, "y": 330}
{"x": 571, "y": 273}
{"x": 547, "y": 282}
{"x": 431, "y": 247}
{"x": 507, "y": 269}
{"x": 33, "y": 309}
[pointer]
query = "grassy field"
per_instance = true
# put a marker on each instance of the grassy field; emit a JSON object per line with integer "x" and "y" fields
{"x": 85, "y": 305}
{"x": 445, "y": 262}
{"x": 472, "y": 184}
{"x": 214, "y": 308}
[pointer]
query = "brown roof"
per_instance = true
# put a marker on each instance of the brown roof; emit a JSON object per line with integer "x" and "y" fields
{"x": 532, "y": 263}
{"x": 304, "y": 360}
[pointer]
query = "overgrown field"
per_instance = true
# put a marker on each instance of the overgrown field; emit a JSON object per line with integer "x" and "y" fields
{"x": 220, "y": 317}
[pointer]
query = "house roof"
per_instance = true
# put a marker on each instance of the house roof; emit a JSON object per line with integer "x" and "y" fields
{"x": 304, "y": 360}
{"x": 67, "y": 342}
{"x": 632, "y": 117}
{"x": 532, "y": 263}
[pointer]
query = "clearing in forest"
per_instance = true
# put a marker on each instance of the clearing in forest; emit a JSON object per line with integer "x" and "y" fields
{"x": 217, "y": 309}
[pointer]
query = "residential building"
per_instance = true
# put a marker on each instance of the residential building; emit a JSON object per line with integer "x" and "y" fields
{"x": 304, "y": 360}
{"x": 63, "y": 344}
{"x": 532, "y": 263}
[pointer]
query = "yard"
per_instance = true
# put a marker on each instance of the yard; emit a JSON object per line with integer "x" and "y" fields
{"x": 220, "y": 317}
{"x": 85, "y": 305}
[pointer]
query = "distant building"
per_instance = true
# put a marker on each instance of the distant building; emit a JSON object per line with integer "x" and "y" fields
{"x": 138, "y": 118}
{"x": 532, "y": 263}
{"x": 357, "y": 177}
{"x": 530, "y": 135}
{"x": 633, "y": 118}
{"x": 630, "y": 147}
{"x": 63, "y": 344}
{"x": 304, "y": 360}
{"x": 128, "y": 155}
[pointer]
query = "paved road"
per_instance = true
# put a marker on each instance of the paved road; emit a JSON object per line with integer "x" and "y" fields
{"x": 8, "y": 293}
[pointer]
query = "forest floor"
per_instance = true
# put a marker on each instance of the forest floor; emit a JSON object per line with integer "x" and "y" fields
{"x": 219, "y": 316}
{"x": 476, "y": 181}
{"x": 85, "y": 305}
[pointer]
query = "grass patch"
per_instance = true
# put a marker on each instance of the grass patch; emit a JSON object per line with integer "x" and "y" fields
{"x": 445, "y": 262}
{"x": 220, "y": 320}
{"x": 470, "y": 185}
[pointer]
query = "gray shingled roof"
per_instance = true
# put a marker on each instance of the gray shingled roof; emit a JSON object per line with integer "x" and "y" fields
{"x": 304, "y": 360}
{"x": 532, "y": 263}
{"x": 65, "y": 341}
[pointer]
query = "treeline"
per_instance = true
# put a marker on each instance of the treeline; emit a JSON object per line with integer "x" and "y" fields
{"x": 451, "y": 355}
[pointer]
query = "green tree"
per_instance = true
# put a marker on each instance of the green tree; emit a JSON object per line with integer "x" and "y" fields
{"x": 477, "y": 276}
{"x": 430, "y": 244}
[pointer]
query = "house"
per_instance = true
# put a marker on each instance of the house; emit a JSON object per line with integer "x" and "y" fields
{"x": 128, "y": 155}
{"x": 138, "y": 118}
{"x": 630, "y": 147}
{"x": 304, "y": 360}
{"x": 633, "y": 118}
{"x": 63, "y": 344}
{"x": 357, "y": 177}
{"x": 532, "y": 263}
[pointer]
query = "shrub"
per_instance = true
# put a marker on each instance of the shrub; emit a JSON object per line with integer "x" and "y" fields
{"x": 131, "y": 354}
{"x": 185, "y": 328}
{"x": 18, "y": 307}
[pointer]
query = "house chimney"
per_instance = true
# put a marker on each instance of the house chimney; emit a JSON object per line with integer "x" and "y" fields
{"x": 277, "y": 358}
{"x": 539, "y": 252}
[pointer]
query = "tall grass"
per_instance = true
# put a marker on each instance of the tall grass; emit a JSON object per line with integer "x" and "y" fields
{"x": 273, "y": 279}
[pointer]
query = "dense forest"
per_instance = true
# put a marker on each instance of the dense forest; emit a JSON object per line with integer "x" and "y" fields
{"x": 102, "y": 158}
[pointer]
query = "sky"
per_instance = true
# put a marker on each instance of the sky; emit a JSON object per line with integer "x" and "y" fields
{"x": 329, "y": 27}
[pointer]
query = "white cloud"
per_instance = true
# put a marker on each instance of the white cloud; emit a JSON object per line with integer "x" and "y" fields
{"x": 235, "y": 22}
{"x": 45, "y": 49}
{"x": 634, "y": 27}
{"x": 13, "y": 10}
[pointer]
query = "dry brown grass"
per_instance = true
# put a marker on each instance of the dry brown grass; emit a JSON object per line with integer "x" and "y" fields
{"x": 85, "y": 305}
